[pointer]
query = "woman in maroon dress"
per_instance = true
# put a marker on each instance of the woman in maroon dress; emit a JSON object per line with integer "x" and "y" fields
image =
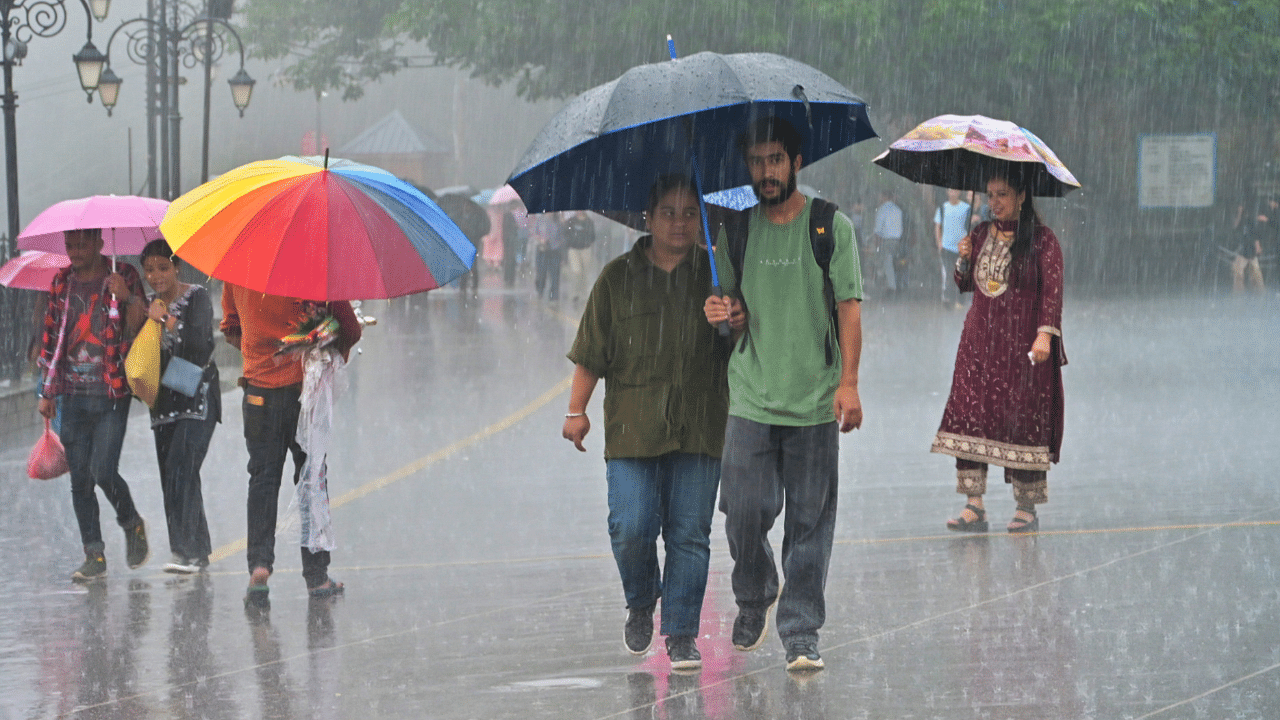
{"x": 1005, "y": 406}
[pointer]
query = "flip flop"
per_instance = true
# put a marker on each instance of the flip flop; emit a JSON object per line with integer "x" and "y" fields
{"x": 257, "y": 596}
{"x": 330, "y": 588}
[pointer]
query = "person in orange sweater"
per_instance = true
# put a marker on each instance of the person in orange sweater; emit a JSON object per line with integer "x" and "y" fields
{"x": 254, "y": 323}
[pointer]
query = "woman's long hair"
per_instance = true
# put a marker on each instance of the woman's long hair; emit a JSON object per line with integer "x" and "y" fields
{"x": 1028, "y": 219}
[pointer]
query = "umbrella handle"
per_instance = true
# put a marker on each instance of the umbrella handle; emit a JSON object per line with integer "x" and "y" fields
{"x": 723, "y": 327}
{"x": 706, "y": 235}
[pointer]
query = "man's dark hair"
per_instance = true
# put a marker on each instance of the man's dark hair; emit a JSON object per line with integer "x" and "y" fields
{"x": 771, "y": 129}
{"x": 90, "y": 234}
{"x": 665, "y": 184}
{"x": 159, "y": 248}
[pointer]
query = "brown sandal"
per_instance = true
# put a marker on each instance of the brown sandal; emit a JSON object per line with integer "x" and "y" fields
{"x": 978, "y": 524}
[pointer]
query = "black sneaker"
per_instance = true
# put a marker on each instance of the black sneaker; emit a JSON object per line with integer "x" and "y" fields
{"x": 637, "y": 634}
{"x": 752, "y": 625}
{"x": 94, "y": 568}
{"x": 683, "y": 652}
{"x": 802, "y": 656}
{"x": 137, "y": 551}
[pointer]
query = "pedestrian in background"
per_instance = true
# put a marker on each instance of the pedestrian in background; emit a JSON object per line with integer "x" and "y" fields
{"x": 93, "y": 313}
{"x": 1006, "y": 402}
{"x": 666, "y": 399}
{"x": 888, "y": 239}
{"x": 579, "y": 236}
{"x": 548, "y": 242}
{"x": 950, "y": 223}
{"x": 183, "y": 424}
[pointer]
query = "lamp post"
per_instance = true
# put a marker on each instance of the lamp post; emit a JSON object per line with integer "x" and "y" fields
{"x": 20, "y": 22}
{"x": 174, "y": 35}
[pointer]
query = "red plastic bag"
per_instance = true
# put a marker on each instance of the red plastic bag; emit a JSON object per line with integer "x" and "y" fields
{"x": 48, "y": 458}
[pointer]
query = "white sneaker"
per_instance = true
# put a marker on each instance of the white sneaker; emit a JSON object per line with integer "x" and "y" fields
{"x": 179, "y": 565}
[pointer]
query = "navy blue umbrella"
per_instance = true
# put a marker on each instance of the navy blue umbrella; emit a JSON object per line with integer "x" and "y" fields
{"x": 606, "y": 147}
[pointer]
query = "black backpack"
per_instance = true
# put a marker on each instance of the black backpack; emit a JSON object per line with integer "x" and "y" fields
{"x": 822, "y": 239}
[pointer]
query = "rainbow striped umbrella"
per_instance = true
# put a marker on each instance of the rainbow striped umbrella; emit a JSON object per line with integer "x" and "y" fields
{"x": 317, "y": 229}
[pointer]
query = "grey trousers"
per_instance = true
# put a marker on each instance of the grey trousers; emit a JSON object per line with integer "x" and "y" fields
{"x": 764, "y": 470}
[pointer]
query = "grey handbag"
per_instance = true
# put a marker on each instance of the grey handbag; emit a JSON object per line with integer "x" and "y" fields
{"x": 182, "y": 376}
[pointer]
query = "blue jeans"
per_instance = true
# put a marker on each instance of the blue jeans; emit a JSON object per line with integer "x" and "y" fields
{"x": 92, "y": 433}
{"x": 675, "y": 495}
{"x": 767, "y": 468}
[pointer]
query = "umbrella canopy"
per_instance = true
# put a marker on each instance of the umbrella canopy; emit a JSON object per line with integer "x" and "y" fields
{"x": 128, "y": 223}
{"x": 32, "y": 270}
{"x": 317, "y": 229}
{"x": 606, "y": 147}
{"x": 962, "y": 151}
{"x": 503, "y": 195}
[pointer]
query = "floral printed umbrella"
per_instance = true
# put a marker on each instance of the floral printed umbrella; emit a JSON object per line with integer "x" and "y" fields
{"x": 963, "y": 151}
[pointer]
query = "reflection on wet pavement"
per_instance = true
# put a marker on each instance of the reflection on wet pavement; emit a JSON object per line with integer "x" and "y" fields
{"x": 472, "y": 540}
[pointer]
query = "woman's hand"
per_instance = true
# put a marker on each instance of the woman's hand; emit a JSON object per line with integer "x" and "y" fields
{"x": 158, "y": 311}
{"x": 965, "y": 247}
{"x": 575, "y": 430}
{"x": 1040, "y": 348}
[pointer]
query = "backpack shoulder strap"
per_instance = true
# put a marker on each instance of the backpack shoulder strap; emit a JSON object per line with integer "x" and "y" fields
{"x": 822, "y": 216}
{"x": 821, "y": 233}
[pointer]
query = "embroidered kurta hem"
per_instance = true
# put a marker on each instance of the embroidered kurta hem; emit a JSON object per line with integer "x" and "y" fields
{"x": 1003, "y": 410}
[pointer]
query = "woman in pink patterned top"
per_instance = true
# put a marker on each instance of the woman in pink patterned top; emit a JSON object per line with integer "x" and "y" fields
{"x": 1006, "y": 401}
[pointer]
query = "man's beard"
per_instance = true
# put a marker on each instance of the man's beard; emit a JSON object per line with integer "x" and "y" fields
{"x": 782, "y": 197}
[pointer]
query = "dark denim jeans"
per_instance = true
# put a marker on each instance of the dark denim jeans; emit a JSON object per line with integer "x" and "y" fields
{"x": 270, "y": 427}
{"x": 92, "y": 432}
{"x": 764, "y": 469}
{"x": 675, "y": 495}
{"x": 180, "y": 449}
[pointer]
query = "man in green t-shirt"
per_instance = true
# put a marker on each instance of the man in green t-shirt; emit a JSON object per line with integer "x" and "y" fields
{"x": 787, "y": 401}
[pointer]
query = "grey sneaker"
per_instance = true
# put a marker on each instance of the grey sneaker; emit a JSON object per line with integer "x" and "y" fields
{"x": 802, "y": 656}
{"x": 94, "y": 568}
{"x": 637, "y": 634}
{"x": 683, "y": 652}
{"x": 137, "y": 551}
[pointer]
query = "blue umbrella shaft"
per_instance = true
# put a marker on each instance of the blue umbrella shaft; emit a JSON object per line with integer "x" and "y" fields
{"x": 706, "y": 235}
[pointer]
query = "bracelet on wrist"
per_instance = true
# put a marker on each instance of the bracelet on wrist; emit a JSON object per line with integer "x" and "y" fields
{"x": 574, "y": 415}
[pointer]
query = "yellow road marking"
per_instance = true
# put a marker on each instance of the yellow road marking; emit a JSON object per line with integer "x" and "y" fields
{"x": 422, "y": 462}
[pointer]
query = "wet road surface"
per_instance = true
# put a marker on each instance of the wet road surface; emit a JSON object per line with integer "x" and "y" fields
{"x": 480, "y": 584}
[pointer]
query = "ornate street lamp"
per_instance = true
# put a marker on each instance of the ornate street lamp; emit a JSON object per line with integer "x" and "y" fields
{"x": 241, "y": 89}
{"x": 160, "y": 44}
{"x": 20, "y": 21}
{"x": 89, "y": 64}
{"x": 109, "y": 89}
{"x": 99, "y": 9}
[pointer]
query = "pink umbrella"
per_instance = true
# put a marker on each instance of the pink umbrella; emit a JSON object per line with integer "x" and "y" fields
{"x": 504, "y": 194}
{"x": 128, "y": 223}
{"x": 32, "y": 270}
